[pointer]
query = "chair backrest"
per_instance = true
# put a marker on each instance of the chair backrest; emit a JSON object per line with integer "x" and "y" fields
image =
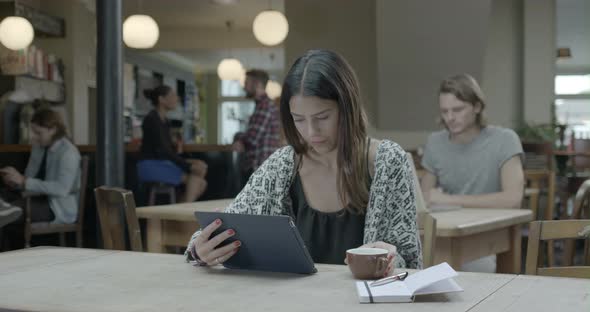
{"x": 538, "y": 156}
{"x": 542, "y": 179}
{"x": 581, "y": 211}
{"x": 581, "y": 163}
{"x": 550, "y": 230}
{"x": 426, "y": 223}
{"x": 84, "y": 163}
{"x": 582, "y": 201}
{"x": 114, "y": 205}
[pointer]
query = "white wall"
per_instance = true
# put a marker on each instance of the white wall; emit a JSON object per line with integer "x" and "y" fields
{"x": 419, "y": 43}
{"x": 539, "y": 59}
{"x": 345, "y": 27}
{"x": 78, "y": 52}
{"x": 502, "y": 75}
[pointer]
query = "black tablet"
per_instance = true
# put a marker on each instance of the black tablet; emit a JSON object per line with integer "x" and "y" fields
{"x": 269, "y": 243}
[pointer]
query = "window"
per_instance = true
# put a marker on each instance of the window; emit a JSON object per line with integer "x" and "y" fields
{"x": 572, "y": 104}
{"x": 234, "y": 110}
{"x": 572, "y": 84}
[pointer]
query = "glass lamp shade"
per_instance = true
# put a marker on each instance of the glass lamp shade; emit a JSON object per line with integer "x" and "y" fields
{"x": 140, "y": 32}
{"x": 230, "y": 69}
{"x": 16, "y": 33}
{"x": 273, "y": 89}
{"x": 270, "y": 27}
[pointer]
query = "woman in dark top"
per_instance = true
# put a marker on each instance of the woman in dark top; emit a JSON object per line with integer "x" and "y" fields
{"x": 343, "y": 189}
{"x": 159, "y": 159}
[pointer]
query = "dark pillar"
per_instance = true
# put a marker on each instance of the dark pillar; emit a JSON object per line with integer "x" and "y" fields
{"x": 110, "y": 152}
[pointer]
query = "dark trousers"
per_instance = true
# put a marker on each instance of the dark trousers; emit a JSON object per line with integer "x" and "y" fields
{"x": 40, "y": 211}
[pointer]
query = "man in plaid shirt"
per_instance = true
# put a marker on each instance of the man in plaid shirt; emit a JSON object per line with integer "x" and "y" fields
{"x": 262, "y": 136}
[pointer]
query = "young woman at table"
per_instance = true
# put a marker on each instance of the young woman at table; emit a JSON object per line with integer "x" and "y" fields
{"x": 342, "y": 188}
{"x": 159, "y": 159}
{"x": 53, "y": 171}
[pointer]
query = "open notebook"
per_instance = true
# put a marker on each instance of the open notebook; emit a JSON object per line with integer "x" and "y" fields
{"x": 434, "y": 280}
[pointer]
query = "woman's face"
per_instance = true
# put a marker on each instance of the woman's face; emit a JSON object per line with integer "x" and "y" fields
{"x": 42, "y": 136}
{"x": 170, "y": 100}
{"x": 316, "y": 120}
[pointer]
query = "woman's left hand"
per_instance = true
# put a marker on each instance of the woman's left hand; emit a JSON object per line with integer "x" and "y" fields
{"x": 392, "y": 253}
{"x": 12, "y": 177}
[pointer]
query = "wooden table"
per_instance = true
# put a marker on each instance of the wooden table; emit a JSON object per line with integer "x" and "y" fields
{"x": 68, "y": 279}
{"x": 537, "y": 293}
{"x": 467, "y": 234}
{"x": 172, "y": 225}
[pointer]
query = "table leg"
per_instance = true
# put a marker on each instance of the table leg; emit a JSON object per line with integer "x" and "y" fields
{"x": 154, "y": 236}
{"x": 509, "y": 261}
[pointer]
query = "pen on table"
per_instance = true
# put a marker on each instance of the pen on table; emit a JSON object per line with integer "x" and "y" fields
{"x": 398, "y": 277}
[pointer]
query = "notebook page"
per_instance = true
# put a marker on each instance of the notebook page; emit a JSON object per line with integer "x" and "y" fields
{"x": 429, "y": 276}
{"x": 391, "y": 292}
{"x": 445, "y": 286}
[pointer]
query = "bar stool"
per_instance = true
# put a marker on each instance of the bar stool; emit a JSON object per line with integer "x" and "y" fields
{"x": 159, "y": 188}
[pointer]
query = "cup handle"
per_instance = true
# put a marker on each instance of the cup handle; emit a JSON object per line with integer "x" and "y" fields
{"x": 382, "y": 264}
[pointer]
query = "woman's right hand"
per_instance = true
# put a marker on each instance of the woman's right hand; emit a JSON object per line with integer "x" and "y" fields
{"x": 205, "y": 245}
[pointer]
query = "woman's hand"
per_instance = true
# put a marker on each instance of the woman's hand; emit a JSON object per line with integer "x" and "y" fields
{"x": 12, "y": 177}
{"x": 206, "y": 245}
{"x": 392, "y": 253}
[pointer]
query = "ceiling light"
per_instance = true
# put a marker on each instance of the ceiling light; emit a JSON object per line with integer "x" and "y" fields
{"x": 16, "y": 33}
{"x": 140, "y": 31}
{"x": 270, "y": 27}
{"x": 230, "y": 69}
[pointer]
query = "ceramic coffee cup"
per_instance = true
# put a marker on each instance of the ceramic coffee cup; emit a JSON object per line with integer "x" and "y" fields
{"x": 367, "y": 263}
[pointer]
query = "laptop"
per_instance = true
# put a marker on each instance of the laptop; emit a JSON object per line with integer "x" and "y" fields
{"x": 269, "y": 243}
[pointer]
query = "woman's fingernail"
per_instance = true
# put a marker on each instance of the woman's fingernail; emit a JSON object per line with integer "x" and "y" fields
{"x": 218, "y": 221}
{"x": 237, "y": 243}
{"x": 231, "y": 232}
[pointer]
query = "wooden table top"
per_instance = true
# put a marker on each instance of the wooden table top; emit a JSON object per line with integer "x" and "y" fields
{"x": 460, "y": 222}
{"x": 537, "y": 293}
{"x": 181, "y": 212}
{"x": 70, "y": 279}
{"x": 467, "y": 221}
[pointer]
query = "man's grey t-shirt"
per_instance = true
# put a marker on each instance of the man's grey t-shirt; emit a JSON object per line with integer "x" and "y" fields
{"x": 472, "y": 168}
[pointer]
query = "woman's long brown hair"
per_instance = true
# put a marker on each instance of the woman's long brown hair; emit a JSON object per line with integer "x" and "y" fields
{"x": 326, "y": 75}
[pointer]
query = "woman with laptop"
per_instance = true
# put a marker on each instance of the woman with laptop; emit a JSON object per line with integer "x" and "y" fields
{"x": 342, "y": 188}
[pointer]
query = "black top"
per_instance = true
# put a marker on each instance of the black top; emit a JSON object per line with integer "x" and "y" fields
{"x": 157, "y": 141}
{"x": 327, "y": 235}
{"x": 43, "y": 167}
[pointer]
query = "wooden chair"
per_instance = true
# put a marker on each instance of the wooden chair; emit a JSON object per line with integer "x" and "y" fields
{"x": 581, "y": 211}
{"x": 426, "y": 223}
{"x": 38, "y": 228}
{"x": 540, "y": 181}
{"x": 538, "y": 156}
{"x": 539, "y": 172}
{"x": 580, "y": 163}
{"x": 562, "y": 229}
{"x": 111, "y": 204}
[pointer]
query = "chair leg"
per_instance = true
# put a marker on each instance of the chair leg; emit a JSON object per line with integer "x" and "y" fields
{"x": 79, "y": 239}
{"x": 152, "y": 200}
{"x": 62, "y": 239}
{"x": 172, "y": 192}
{"x": 27, "y": 237}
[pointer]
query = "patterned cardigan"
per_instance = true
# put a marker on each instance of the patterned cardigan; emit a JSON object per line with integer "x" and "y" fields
{"x": 391, "y": 212}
